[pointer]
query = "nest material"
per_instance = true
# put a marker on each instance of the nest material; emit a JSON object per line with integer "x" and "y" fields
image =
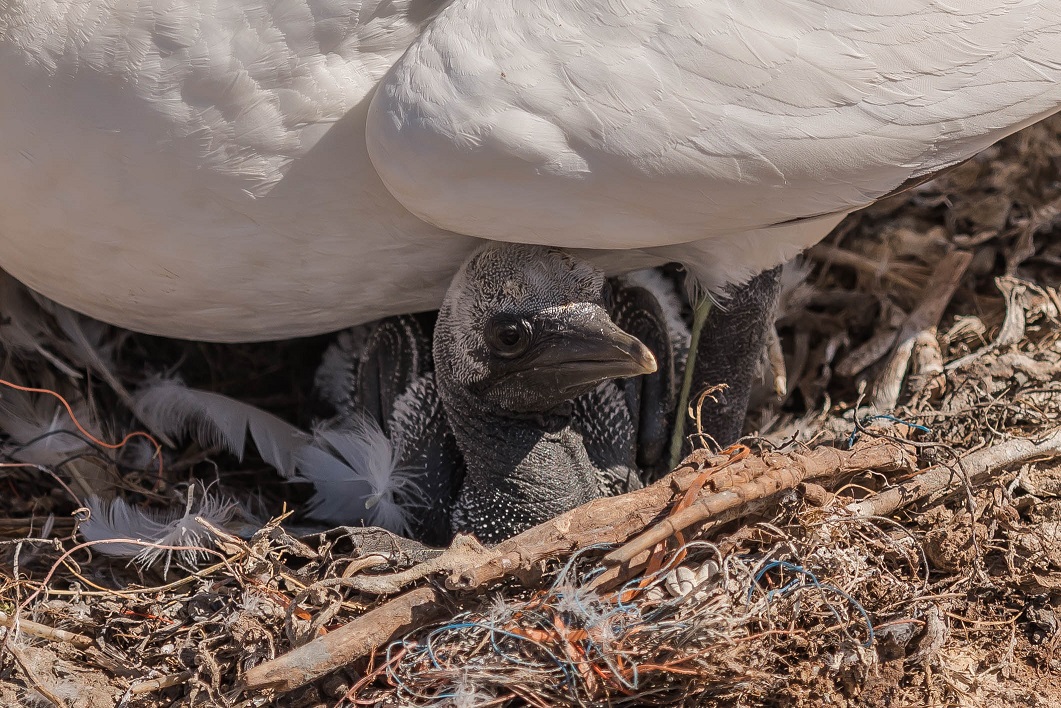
{"x": 930, "y": 323}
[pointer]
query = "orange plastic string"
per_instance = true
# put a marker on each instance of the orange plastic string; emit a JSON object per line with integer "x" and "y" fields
{"x": 83, "y": 431}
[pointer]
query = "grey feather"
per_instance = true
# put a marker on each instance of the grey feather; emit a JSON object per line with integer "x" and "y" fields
{"x": 42, "y": 429}
{"x": 213, "y": 419}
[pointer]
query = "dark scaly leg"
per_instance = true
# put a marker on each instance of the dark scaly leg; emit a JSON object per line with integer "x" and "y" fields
{"x": 729, "y": 350}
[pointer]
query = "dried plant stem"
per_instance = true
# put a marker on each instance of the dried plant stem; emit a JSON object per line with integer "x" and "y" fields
{"x": 159, "y": 684}
{"x": 921, "y": 322}
{"x": 45, "y": 632}
{"x": 859, "y": 262}
{"x": 611, "y": 520}
{"x": 338, "y": 648}
{"x": 944, "y": 477}
{"x": 700, "y": 313}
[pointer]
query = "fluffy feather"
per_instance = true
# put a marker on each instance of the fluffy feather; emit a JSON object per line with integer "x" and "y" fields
{"x": 41, "y": 429}
{"x": 119, "y": 521}
{"x": 213, "y": 419}
{"x": 358, "y": 478}
{"x": 338, "y": 368}
{"x": 466, "y": 692}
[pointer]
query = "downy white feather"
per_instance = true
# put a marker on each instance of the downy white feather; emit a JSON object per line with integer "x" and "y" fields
{"x": 359, "y": 478}
{"x": 213, "y": 419}
{"x": 119, "y": 521}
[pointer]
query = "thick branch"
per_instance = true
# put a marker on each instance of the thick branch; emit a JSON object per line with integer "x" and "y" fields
{"x": 363, "y": 635}
{"x": 40, "y": 630}
{"x": 777, "y": 472}
{"x": 603, "y": 521}
{"x": 973, "y": 466}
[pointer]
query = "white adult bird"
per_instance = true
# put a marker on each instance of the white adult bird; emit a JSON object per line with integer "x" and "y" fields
{"x": 251, "y": 169}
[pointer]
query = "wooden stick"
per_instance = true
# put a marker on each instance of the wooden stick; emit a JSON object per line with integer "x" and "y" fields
{"x": 780, "y": 472}
{"x": 924, "y": 318}
{"x": 602, "y": 521}
{"x": 44, "y": 631}
{"x": 362, "y": 636}
{"x": 158, "y": 684}
{"x": 975, "y": 465}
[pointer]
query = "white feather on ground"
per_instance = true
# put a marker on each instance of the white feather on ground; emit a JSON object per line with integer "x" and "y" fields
{"x": 213, "y": 419}
{"x": 117, "y": 520}
{"x": 41, "y": 429}
{"x": 359, "y": 478}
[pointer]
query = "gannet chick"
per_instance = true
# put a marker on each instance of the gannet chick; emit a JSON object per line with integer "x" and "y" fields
{"x": 384, "y": 373}
{"x": 523, "y": 333}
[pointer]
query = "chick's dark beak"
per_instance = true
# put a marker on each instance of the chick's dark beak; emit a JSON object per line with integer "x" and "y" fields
{"x": 581, "y": 348}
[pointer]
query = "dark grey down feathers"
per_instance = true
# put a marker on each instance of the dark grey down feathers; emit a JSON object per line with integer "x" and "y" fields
{"x": 534, "y": 400}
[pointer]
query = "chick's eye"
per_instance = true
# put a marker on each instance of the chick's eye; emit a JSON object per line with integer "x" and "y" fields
{"x": 508, "y": 337}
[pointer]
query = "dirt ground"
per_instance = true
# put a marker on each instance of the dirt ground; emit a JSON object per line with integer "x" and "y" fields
{"x": 927, "y": 328}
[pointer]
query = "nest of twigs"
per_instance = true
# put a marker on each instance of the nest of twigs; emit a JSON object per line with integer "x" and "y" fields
{"x": 890, "y": 536}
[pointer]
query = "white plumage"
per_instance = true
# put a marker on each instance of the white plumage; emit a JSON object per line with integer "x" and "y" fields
{"x": 171, "y": 408}
{"x": 163, "y": 533}
{"x": 358, "y": 478}
{"x": 247, "y": 169}
{"x": 356, "y": 470}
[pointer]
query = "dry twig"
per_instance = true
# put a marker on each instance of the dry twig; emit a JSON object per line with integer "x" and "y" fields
{"x": 362, "y": 636}
{"x": 764, "y": 477}
{"x": 973, "y": 466}
{"x": 603, "y": 521}
{"x": 44, "y": 631}
{"x": 921, "y": 322}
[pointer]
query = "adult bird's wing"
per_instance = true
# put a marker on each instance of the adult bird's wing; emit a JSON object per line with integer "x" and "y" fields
{"x": 651, "y": 123}
{"x": 201, "y": 168}
{"x": 198, "y": 168}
